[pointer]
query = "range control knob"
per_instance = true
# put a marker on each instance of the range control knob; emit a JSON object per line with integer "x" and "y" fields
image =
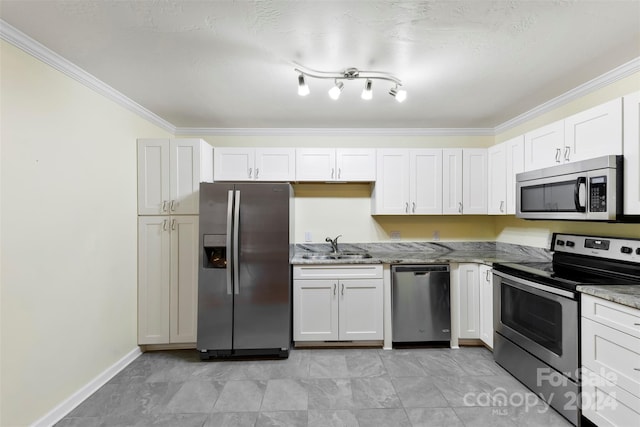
{"x": 570, "y": 244}
{"x": 626, "y": 250}
{"x": 560, "y": 242}
{"x": 638, "y": 251}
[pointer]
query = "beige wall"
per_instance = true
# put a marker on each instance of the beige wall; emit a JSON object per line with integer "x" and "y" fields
{"x": 68, "y": 257}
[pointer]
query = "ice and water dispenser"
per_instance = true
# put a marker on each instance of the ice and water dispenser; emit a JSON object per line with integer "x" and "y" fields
{"x": 215, "y": 251}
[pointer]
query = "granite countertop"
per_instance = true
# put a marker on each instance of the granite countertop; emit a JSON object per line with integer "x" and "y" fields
{"x": 628, "y": 295}
{"x": 424, "y": 253}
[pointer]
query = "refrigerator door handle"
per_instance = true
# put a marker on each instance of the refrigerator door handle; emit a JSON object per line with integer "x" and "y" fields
{"x": 236, "y": 244}
{"x": 229, "y": 236}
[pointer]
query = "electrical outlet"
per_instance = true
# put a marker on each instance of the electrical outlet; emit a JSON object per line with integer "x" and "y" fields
{"x": 436, "y": 235}
{"x": 395, "y": 235}
{"x": 307, "y": 236}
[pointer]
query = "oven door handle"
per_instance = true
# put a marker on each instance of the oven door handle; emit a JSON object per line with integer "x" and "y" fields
{"x": 528, "y": 283}
{"x": 576, "y": 194}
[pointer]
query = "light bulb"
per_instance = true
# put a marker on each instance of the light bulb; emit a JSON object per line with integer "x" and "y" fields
{"x": 335, "y": 91}
{"x": 367, "y": 93}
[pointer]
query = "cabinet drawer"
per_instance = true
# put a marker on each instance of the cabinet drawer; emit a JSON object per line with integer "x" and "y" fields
{"x": 606, "y": 404}
{"x": 612, "y": 353}
{"x": 617, "y": 316}
{"x": 351, "y": 271}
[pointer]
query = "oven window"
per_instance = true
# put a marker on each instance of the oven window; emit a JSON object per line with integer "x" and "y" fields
{"x": 535, "y": 317}
{"x": 552, "y": 197}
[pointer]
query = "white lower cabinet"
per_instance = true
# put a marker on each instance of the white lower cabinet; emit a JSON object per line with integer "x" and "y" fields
{"x": 486, "y": 304}
{"x": 468, "y": 283}
{"x": 337, "y": 303}
{"x": 167, "y": 279}
{"x": 610, "y": 362}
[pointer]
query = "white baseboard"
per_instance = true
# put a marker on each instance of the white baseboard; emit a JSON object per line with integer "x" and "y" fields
{"x": 60, "y": 411}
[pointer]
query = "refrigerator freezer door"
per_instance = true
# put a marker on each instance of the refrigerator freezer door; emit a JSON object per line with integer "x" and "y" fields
{"x": 262, "y": 310}
{"x": 215, "y": 299}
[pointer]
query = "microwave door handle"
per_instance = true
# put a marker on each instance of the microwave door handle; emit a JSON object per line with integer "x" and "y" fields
{"x": 576, "y": 194}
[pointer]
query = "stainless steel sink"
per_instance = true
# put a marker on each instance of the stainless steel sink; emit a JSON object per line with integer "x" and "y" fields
{"x": 339, "y": 255}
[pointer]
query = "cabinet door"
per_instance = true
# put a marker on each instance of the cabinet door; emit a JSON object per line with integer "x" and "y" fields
{"x": 594, "y": 132}
{"x": 391, "y": 191}
{"x": 515, "y": 165}
{"x": 543, "y": 146}
{"x": 275, "y": 164}
{"x": 474, "y": 181}
{"x": 452, "y": 181}
{"x": 315, "y": 310}
{"x": 184, "y": 279}
{"x": 632, "y": 154}
{"x": 469, "y": 313}
{"x": 185, "y": 176}
{"x": 356, "y": 164}
{"x": 316, "y": 164}
{"x": 425, "y": 172}
{"x": 233, "y": 164}
{"x": 360, "y": 309}
{"x": 154, "y": 192}
{"x": 153, "y": 279}
{"x": 497, "y": 184}
{"x": 486, "y": 305}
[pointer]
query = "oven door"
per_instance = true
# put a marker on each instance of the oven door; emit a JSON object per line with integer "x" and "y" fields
{"x": 540, "y": 319}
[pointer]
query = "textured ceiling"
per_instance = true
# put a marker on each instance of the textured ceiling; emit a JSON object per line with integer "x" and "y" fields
{"x": 223, "y": 64}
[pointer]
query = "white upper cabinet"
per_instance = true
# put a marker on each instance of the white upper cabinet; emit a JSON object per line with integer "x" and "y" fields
{"x": 336, "y": 164}
{"x": 408, "y": 182}
{"x": 515, "y": 165}
{"x": 474, "y": 181}
{"x": 594, "y": 132}
{"x": 544, "y": 146}
{"x": 632, "y": 154}
{"x": 169, "y": 175}
{"x": 452, "y": 181}
{"x": 254, "y": 164}
{"x": 497, "y": 185}
{"x": 591, "y": 133}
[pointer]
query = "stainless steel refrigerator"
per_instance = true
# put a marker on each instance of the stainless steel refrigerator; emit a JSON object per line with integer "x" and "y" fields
{"x": 244, "y": 282}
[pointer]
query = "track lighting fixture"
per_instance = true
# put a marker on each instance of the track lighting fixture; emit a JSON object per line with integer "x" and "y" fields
{"x": 303, "y": 89}
{"x": 367, "y": 93}
{"x": 335, "y": 91}
{"x": 350, "y": 74}
{"x": 399, "y": 94}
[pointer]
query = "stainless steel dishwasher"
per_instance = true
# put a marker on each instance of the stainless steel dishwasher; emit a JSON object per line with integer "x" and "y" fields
{"x": 420, "y": 303}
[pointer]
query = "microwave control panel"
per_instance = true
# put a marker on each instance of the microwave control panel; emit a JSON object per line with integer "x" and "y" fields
{"x": 598, "y": 194}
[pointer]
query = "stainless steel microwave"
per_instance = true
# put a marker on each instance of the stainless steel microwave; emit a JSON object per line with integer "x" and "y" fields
{"x": 588, "y": 190}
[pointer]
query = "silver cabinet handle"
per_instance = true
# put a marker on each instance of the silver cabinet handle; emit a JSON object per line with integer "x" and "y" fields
{"x": 487, "y": 275}
{"x": 164, "y": 225}
{"x": 333, "y": 171}
{"x": 557, "y": 155}
{"x": 636, "y": 324}
{"x": 257, "y": 172}
{"x": 459, "y": 207}
{"x": 406, "y": 207}
{"x": 172, "y": 206}
{"x": 173, "y": 224}
{"x": 339, "y": 172}
{"x": 413, "y": 207}
{"x": 501, "y": 205}
{"x": 334, "y": 289}
{"x": 636, "y": 369}
{"x": 342, "y": 291}
{"x": 567, "y": 151}
{"x": 164, "y": 206}
{"x": 250, "y": 171}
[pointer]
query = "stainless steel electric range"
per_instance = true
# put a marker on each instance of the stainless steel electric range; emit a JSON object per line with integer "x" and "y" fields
{"x": 537, "y": 312}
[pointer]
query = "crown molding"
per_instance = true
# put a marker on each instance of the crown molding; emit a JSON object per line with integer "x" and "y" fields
{"x": 22, "y": 41}
{"x": 618, "y": 73}
{"x": 192, "y": 131}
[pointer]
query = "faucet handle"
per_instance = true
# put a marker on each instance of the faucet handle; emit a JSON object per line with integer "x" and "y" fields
{"x": 336, "y": 239}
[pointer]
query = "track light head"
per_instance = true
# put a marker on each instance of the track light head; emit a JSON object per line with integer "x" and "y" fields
{"x": 335, "y": 91}
{"x": 399, "y": 94}
{"x": 303, "y": 89}
{"x": 367, "y": 93}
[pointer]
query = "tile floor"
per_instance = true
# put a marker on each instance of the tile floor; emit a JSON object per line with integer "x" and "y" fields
{"x": 318, "y": 387}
